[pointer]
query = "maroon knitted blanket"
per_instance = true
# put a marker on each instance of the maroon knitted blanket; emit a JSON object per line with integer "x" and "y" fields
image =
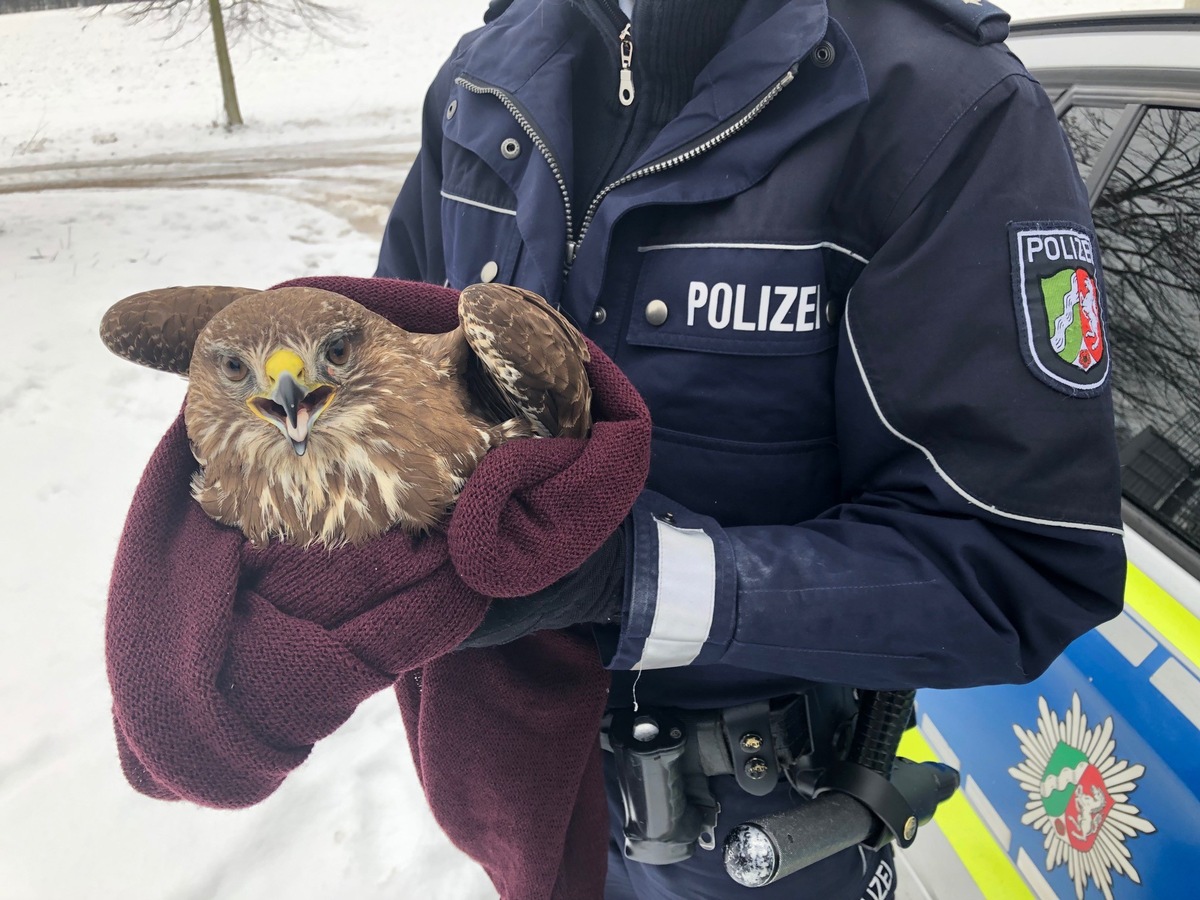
{"x": 227, "y": 662}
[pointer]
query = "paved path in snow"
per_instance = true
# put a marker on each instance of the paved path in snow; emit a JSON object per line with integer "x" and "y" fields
{"x": 352, "y": 180}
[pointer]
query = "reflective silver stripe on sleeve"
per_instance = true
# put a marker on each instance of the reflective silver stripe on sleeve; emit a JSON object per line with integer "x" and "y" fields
{"x": 683, "y": 611}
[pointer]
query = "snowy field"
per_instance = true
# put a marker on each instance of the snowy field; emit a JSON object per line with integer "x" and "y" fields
{"x": 78, "y": 90}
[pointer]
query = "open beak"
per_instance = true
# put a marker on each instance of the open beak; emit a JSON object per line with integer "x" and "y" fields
{"x": 290, "y": 405}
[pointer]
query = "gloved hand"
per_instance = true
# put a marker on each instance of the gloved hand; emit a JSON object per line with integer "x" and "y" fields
{"x": 592, "y": 594}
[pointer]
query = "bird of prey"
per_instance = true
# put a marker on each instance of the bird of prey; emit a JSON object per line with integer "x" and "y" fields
{"x": 316, "y": 421}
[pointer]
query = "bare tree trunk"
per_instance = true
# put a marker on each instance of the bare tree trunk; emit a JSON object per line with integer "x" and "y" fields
{"x": 233, "y": 115}
{"x": 258, "y": 18}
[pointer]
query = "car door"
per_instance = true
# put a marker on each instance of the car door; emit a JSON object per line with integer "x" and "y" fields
{"x": 1085, "y": 782}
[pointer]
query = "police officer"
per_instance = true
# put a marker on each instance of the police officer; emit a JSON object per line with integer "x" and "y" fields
{"x": 834, "y": 244}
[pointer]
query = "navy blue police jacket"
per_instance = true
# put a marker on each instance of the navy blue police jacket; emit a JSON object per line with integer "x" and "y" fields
{"x": 838, "y": 277}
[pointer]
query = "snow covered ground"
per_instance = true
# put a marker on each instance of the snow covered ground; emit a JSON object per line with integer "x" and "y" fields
{"x": 76, "y": 424}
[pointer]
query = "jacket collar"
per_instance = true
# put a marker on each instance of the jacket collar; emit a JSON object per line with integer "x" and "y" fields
{"x": 768, "y": 38}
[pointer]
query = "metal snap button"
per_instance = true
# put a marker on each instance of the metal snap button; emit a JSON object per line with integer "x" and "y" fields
{"x": 756, "y": 768}
{"x": 751, "y": 742}
{"x": 599, "y": 314}
{"x": 656, "y": 312}
{"x": 832, "y": 313}
{"x": 451, "y": 109}
{"x": 489, "y": 271}
{"x": 823, "y": 55}
{"x": 509, "y": 148}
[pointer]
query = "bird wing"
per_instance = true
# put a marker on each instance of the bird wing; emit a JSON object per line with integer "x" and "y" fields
{"x": 530, "y": 359}
{"x": 158, "y": 328}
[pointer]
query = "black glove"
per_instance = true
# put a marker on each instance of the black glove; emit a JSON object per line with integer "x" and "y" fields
{"x": 592, "y": 594}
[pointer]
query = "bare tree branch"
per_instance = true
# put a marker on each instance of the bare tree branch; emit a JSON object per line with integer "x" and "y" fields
{"x": 259, "y": 20}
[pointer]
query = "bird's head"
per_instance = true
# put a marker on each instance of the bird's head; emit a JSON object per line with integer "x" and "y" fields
{"x": 282, "y": 357}
{"x": 308, "y": 370}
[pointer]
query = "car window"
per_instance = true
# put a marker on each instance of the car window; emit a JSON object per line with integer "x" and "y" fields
{"x": 1089, "y": 128}
{"x": 1147, "y": 220}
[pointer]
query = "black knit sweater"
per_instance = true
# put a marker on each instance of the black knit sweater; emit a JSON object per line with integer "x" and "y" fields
{"x": 672, "y": 42}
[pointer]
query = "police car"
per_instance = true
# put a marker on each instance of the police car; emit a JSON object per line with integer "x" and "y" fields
{"x": 1086, "y": 782}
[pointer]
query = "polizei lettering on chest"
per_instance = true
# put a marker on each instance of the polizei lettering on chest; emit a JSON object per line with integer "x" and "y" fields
{"x": 785, "y": 307}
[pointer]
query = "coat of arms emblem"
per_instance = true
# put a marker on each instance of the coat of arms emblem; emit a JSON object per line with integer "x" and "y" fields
{"x": 1073, "y": 314}
{"x": 1079, "y": 797}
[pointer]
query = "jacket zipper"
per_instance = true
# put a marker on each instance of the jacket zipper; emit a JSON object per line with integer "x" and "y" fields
{"x": 538, "y": 141}
{"x": 624, "y": 28}
{"x": 669, "y": 163}
{"x": 573, "y": 240}
{"x": 625, "y": 88}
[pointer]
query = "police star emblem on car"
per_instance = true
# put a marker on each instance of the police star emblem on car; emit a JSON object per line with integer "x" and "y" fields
{"x": 1079, "y": 796}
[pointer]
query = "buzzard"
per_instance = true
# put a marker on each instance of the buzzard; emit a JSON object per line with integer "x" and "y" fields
{"x": 317, "y": 421}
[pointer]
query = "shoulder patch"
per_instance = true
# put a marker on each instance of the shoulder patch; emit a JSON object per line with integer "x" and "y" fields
{"x": 976, "y": 20}
{"x": 1058, "y": 297}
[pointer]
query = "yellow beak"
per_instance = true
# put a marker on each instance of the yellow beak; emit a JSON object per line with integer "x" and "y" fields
{"x": 284, "y": 361}
{"x": 290, "y": 405}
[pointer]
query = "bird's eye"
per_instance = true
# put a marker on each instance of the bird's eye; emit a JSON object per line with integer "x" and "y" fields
{"x": 234, "y": 368}
{"x": 338, "y": 352}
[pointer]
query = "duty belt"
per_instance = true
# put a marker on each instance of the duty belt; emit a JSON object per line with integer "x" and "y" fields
{"x": 664, "y": 757}
{"x": 756, "y": 743}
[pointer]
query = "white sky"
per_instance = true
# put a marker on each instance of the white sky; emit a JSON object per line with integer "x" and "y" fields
{"x": 77, "y": 424}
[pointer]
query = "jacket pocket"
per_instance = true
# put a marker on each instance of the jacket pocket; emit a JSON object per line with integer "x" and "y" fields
{"x": 735, "y": 341}
{"x": 734, "y": 346}
{"x": 481, "y": 240}
{"x": 745, "y": 482}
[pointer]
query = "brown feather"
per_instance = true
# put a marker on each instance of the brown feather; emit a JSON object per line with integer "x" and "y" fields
{"x": 531, "y": 354}
{"x": 158, "y": 329}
